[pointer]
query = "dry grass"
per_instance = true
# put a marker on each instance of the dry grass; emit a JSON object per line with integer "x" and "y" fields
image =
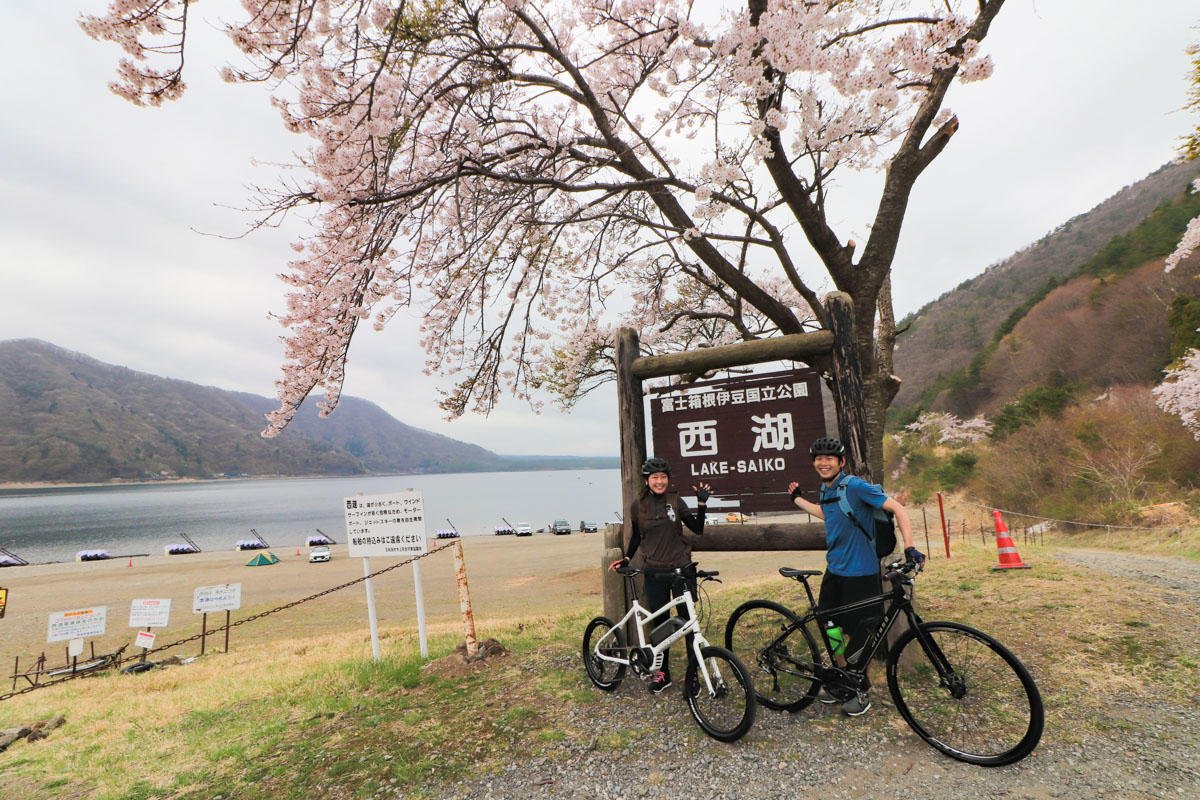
{"x": 315, "y": 717}
{"x": 1182, "y": 542}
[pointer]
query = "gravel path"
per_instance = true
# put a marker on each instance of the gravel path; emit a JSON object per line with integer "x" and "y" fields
{"x": 661, "y": 754}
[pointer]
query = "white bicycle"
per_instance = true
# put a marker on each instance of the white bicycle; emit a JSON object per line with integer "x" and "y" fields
{"x": 717, "y": 686}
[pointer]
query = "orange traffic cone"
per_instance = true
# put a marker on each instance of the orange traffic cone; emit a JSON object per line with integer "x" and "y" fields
{"x": 297, "y": 551}
{"x": 1009, "y": 558}
{"x": 130, "y": 564}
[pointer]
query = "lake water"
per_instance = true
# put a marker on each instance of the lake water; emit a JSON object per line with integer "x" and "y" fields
{"x": 54, "y": 524}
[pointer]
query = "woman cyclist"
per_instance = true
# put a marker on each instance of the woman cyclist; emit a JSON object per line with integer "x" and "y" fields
{"x": 657, "y": 518}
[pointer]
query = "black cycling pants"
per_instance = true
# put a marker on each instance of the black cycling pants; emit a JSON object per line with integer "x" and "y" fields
{"x": 659, "y": 590}
{"x": 838, "y": 590}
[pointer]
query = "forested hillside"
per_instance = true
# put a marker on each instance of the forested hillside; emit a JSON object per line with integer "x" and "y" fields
{"x": 68, "y": 417}
{"x": 1119, "y": 319}
{"x": 1055, "y": 415}
{"x": 945, "y": 335}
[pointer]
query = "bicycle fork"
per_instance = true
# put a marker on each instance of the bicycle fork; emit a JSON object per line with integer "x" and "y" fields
{"x": 948, "y": 677}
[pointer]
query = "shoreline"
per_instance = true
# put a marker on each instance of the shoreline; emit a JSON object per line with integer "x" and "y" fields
{"x": 6, "y": 486}
{"x": 18, "y": 485}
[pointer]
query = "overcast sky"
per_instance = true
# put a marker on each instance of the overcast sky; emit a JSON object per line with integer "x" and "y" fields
{"x": 108, "y": 212}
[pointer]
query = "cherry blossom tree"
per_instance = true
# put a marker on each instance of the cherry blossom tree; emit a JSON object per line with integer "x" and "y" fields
{"x": 947, "y": 429}
{"x": 1179, "y": 393}
{"x": 1190, "y": 150}
{"x": 522, "y": 172}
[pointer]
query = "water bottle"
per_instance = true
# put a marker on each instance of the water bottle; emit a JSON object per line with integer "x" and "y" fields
{"x": 836, "y": 641}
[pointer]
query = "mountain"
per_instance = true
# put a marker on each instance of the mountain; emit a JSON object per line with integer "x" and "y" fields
{"x": 69, "y": 417}
{"x": 948, "y": 333}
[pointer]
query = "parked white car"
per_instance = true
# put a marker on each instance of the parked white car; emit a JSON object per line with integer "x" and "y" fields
{"x": 524, "y": 529}
{"x": 321, "y": 553}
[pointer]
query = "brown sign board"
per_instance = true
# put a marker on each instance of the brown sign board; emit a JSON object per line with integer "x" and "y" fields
{"x": 747, "y": 437}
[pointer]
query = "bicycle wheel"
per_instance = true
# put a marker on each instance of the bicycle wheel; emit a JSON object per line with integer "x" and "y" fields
{"x": 605, "y": 675}
{"x": 781, "y": 652}
{"x": 726, "y": 710}
{"x": 987, "y": 711}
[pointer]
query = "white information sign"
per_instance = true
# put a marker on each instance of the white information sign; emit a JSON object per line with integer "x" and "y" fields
{"x": 145, "y": 640}
{"x": 226, "y": 597}
{"x": 149, "y": 613}
{"x": 79, "y": 623}
{"x": 75, "y": 648}
{"x": 386, "y": 524}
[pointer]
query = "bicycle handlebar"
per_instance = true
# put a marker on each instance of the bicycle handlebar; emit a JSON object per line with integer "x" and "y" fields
{"x": 903, "y": 572}
{"x": 678, "y": 571}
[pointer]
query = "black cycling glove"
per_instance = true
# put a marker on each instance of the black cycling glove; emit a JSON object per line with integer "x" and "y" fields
{"x": 914, "y": 555}
{"x": 796, "y": 492}
{"x": 702, "y": 495}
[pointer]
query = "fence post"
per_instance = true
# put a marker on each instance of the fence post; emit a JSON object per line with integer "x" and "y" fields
{"x": 464, "y": 598}
{"x": 945, "y": 533}
{"x": 925, "y": 522}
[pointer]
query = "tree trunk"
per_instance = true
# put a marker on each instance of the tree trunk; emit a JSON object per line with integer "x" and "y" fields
{"x": 849, "y": 384}
{"x": 874, "y": 406}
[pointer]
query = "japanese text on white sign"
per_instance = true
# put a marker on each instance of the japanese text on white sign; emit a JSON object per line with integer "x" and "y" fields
{"x": 149, "y": 613}
{"x": 226, "y": 597}
{"x": 385, "y": 524}
{"x": 79, "y": 623}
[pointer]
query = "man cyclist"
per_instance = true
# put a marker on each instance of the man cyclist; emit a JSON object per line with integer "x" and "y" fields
{"x": 657, "y": 518}
{"x": 852, "y": 568}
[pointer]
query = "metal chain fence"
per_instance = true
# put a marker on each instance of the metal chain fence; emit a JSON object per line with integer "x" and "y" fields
{"x": 116, "y": 663}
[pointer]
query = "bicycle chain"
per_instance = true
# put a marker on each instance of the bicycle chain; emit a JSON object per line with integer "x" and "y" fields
{"x": 251, "y": 618}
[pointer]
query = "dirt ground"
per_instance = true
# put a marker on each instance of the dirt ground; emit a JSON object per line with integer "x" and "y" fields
{"x": 509, "y": 577}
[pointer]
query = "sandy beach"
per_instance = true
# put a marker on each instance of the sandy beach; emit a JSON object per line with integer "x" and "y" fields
{"x": 509, "y": 578}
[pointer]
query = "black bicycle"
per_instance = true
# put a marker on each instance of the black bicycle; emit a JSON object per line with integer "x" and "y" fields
{"x": 961, "y": 691}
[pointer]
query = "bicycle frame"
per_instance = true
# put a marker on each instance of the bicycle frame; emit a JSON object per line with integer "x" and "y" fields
{"x": 642, "y": 618}
{"x": 901, "y": 605}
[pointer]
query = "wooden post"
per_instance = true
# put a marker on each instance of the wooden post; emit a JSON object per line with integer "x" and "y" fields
{"x": 793, "y": 347}
{"x": 847, "y": 387}
{"x": 203, "y": 630}
{"x": 227, "y": 613}
{"x": 464, "y": 598}
{"x": 631, "y": 416}
{"x": 612, "y": 584}
{"x": 945, "y": 533}
{"x": 758, "y": 536}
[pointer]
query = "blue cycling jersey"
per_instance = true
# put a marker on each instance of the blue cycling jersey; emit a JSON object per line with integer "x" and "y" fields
{"x": 849, "y": 552}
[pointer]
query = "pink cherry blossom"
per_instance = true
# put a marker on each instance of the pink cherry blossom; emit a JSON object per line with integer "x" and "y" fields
{"x": 516, "y": 173}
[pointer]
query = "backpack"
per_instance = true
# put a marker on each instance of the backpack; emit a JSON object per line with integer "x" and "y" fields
{"x": 884, "y": 522}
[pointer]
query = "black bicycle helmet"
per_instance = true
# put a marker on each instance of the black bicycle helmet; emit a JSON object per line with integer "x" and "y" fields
{"x": 653, "y": 465}
{"x": 827, "y": 446}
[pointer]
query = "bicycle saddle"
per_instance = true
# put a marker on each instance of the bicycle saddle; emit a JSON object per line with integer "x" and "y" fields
{"x": 788, "y": 572}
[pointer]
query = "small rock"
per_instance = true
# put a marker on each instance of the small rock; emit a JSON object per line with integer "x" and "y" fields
{"x": 10, "y": 735}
